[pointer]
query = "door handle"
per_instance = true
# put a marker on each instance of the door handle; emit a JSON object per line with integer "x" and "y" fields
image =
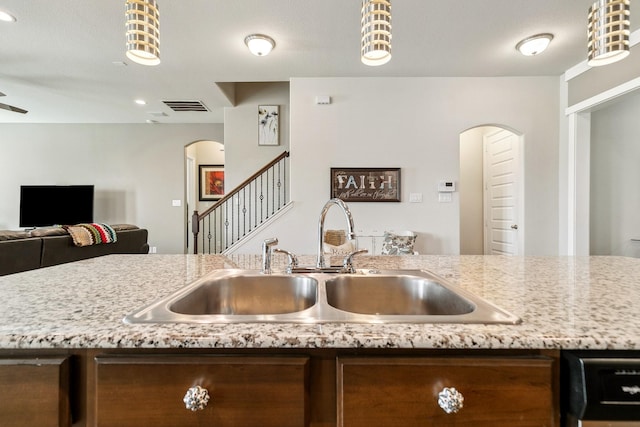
{"x": 514, "y": 226}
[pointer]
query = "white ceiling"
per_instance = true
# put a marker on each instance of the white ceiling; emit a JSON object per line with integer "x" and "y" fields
{"x": 57, "y": 60}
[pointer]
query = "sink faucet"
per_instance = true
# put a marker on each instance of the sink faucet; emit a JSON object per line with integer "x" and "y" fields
{"x": 350, "y": 233}
{"x": 267, "y": 246}
{"x": 292, "y": 263}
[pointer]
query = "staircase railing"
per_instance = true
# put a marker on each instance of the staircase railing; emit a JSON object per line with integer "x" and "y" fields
{"x": 243, "y": 209}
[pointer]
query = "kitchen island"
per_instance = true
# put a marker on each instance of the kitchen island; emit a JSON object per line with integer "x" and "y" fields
{"x": 564, "y": 302}
{"x": 72, "y": 315}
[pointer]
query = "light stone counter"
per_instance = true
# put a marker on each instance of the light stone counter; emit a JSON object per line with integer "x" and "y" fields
{"x": 570, "y": 303}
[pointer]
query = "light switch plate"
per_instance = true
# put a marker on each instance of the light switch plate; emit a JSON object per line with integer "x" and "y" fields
{"x": 444, "y": 197}
{"x": 176, "y": 203}
{"x": 415, "y": 197}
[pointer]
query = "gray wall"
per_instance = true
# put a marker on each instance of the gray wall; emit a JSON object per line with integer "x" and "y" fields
{"x": 615, "y": 178}
{"x": 137, "y": 170}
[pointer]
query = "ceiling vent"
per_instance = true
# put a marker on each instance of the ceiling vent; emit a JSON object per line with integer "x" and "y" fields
{"x": 186, "y": 106}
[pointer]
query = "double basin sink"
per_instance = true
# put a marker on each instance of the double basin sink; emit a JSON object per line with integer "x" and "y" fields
{"x": 367, "y": 296}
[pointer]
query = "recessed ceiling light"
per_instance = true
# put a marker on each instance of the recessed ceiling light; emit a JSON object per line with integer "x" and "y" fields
{"x": 259, "y": 44}
{"x": 7, "y": 17}
{"x": 535, "y": 44}
{"x": 140, "y": 102}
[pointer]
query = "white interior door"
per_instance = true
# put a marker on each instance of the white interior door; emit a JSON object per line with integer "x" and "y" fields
{"x": 502, "y": 230}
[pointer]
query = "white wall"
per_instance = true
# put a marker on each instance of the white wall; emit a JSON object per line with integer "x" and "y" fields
{"x": 415, "y": 123}
{"x": 615, "y": 174}
{"x": 137, "y": 171}
{"x": 243, "y": 156}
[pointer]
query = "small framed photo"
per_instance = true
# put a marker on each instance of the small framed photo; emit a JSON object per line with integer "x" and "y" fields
{"x": 211, "y": 182}
{"x": 366, "y": 184}
{"x": 268, "y": 124}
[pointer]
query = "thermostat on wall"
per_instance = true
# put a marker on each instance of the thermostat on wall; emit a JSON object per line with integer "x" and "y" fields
{"x": 446, "y": 187}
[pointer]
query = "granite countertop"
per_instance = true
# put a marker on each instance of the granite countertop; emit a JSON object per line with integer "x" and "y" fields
{"x": 564, "y": 302}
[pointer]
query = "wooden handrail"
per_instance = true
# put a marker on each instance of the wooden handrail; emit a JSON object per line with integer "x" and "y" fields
{"x": 243, "y": 184}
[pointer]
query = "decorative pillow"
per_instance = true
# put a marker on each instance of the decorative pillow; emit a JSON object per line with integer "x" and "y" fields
{"x": 397, "y": 244}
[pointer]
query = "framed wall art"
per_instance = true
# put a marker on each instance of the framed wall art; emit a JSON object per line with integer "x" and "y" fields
{"x": 268, "y": 124}
{"x": 366, "y": 184}
{"x": 211, "y": 182}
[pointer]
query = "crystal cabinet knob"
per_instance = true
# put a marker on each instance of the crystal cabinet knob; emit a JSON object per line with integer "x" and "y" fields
{"x": 450, "y": 400}
{"x": 196, "y": 398}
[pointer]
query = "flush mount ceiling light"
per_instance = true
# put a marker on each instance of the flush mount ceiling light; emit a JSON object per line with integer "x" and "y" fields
{"x": 608, "y": 32}
{"x": 375, "y": 31}
{"x": 259, "y": 44}
{"x": 535, "y": 44}
{"x": 7, "y": 17}
{"x": 143, "y": 31}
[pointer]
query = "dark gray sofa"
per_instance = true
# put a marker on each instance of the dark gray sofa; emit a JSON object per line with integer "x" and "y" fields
{"x": 44, "y": 247}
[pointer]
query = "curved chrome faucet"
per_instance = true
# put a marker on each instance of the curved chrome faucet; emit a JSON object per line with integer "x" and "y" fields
{"x": 350, "y": 232}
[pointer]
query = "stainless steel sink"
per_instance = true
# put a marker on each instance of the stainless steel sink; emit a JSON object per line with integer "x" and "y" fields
{"x": 405, "y": 295}
{"x": 249, "y": 295}
{"x": 369, "y": 296}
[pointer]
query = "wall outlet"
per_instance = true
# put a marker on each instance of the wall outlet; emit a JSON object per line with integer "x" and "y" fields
{"x": 152, "y": 250}
{"x": 176, "y": 203}
{"x": 415, "y": 197}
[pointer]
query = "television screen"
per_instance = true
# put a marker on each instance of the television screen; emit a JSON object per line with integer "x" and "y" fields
{"x": 45, "y": 205}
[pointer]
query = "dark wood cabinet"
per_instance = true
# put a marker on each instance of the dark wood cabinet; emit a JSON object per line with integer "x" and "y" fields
{"x": 244, "y": 391}
{"x": 403, "y": 391}
{"x": 320, "y": 387}
{"x": 34, "y": 391}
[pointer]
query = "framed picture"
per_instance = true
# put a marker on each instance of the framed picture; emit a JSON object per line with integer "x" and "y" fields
{"x": 268, "y": 124}
{"x": 211, "y": 182}
{"x": 366, "y": 184}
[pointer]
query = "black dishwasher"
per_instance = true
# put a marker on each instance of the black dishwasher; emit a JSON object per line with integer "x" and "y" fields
{"x": 600, "y": 388}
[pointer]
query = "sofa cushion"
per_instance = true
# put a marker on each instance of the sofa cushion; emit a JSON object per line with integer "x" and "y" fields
{"x": 13, "y": 235}
{"x": 19, "y": 255}
{"x": 48, "y": 231}
{"x": 122, "y": 227}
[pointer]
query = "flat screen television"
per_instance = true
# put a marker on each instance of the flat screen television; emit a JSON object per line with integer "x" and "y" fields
{"x": 45, "y": 205}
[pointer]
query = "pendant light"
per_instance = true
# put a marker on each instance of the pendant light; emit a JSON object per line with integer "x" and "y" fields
{"x": 608, "y": 31}
{"x": 375, "y": 32}
{"x": 143, "y": 31}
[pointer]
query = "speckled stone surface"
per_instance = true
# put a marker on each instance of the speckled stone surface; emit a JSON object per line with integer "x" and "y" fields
{"x": 564, "y": 302}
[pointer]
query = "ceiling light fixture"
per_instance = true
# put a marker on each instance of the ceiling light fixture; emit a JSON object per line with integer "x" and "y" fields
{"x": 143, "y": 31}
{"x": 535, "y": 44}
{"x": 7, "y": 17}
{"x": 140, "y": 102}
{"x": 259, "y": 44}
{"x": 608, "y": 32}
{"x": 375, "y": 31}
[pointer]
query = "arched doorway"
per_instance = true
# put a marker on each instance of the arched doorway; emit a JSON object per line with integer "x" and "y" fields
{"x": 198, "y": 153}
{"x": 491, "y": 191}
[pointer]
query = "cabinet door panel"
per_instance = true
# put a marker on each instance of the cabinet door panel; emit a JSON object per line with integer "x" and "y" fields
{"x": 244, "y": 391}
{"x": 384, "y": 391}
{"x": 34, "y": 392}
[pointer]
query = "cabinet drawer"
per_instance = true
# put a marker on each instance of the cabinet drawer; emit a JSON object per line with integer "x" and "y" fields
{"x": 498, "y": 391}
{"x": 244, "y": 391}
{"x": 34, "y": 392}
